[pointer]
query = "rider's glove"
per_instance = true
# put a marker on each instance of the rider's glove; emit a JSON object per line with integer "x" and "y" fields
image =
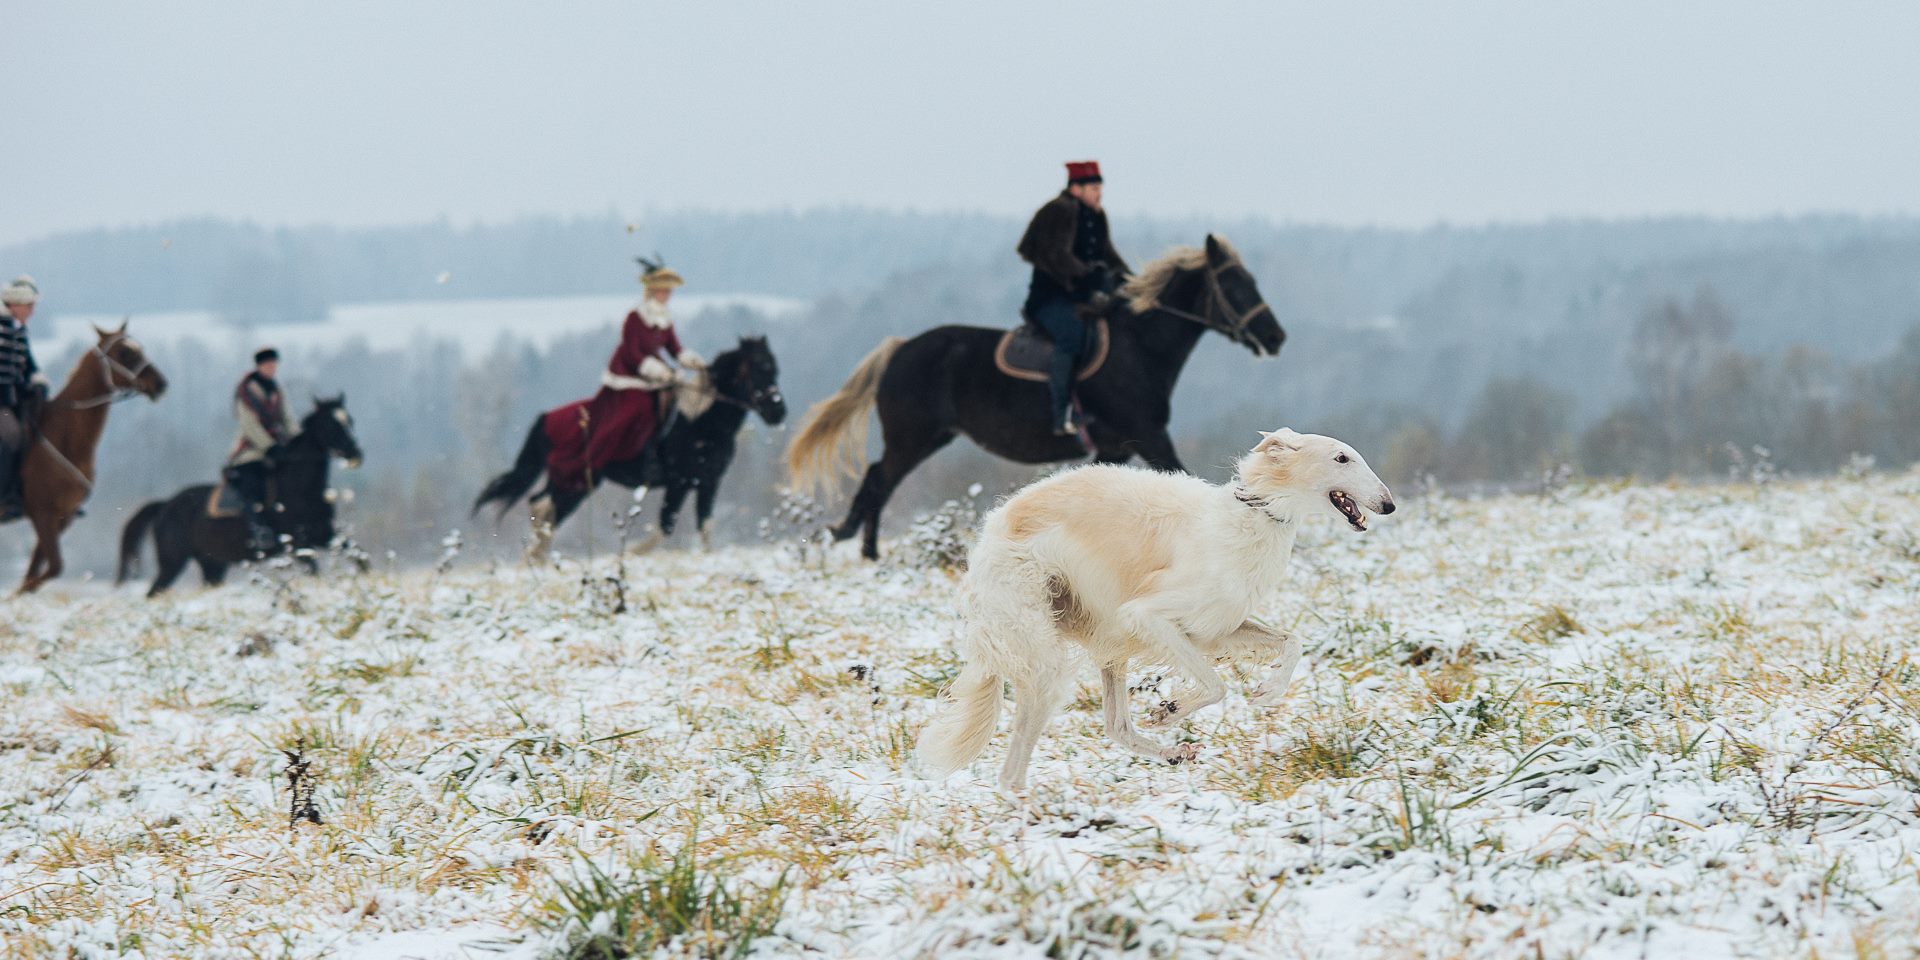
{"x": 688, "y": 358}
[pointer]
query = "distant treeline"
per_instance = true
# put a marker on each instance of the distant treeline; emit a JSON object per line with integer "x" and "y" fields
{"x": 1474, "y": 356}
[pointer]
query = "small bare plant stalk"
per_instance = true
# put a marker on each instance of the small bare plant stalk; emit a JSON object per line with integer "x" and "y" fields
{"x": 301, "y": 781}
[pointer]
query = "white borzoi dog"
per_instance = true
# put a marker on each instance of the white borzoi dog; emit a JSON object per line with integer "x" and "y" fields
{"x": 1130, "y": 564}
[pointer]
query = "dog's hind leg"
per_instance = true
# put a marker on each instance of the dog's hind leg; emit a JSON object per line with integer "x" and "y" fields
{"x": 1036, "y": 698}
{"x": 1274, "y": 685}
{"x": 1142, "y": 618}
{"x": 1114, "y": 701}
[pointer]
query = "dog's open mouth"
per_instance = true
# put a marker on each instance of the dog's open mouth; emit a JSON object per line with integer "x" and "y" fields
{"x": 1351, "y": 510}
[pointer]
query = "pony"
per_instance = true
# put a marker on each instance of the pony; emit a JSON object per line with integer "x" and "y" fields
{"x": 690, "y": 458}
{"x": 300, "y": 508}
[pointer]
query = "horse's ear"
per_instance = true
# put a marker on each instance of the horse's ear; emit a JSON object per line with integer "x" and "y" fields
{"x": 1215, "y": 252}
{"x": 341, "y": 399}
{"x": 123, "y": 327}
{"x": 102, "y": 334}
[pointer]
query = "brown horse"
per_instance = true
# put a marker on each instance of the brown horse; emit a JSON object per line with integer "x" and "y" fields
{"x": 57, "y": 475}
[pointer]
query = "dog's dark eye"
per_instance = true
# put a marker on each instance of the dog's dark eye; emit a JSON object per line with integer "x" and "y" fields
{"x": 1340, "y": 459}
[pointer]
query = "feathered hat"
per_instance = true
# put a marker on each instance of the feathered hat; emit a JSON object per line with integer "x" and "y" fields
{"x": 655, "y": 274}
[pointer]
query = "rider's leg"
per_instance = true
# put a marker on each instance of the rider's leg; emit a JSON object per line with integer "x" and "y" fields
{"x": 13, "y": 436}
{"x": 251, "y": 480}
{"x": 1061, "y": 323}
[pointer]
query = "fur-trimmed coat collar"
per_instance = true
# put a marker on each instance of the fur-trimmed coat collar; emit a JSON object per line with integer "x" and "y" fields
{"x": 654, "y": 313}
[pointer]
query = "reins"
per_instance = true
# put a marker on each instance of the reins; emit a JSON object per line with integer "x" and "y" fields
{"x": 115, "y": 392}
{"x": 1234, "y": 323}
{"x": 754, "y": 398}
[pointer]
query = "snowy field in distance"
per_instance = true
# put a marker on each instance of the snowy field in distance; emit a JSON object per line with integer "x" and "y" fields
{"x": 1622, "y": 721}
{"x": 473, "y": 325}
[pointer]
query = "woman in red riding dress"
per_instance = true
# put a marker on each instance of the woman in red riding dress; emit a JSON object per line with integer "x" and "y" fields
{"x": 619, "y": 421}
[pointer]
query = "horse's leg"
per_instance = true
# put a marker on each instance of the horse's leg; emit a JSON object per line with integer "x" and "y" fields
{"x": 212, "y": 572}
{"x": 857, "y": 511}
{"x": 171, "y": 553}
{"x": 35, "y": 564}
{"x": 703, "y": 510}
{"x": 46, "y": 553}
{"x": 1157, "y": 450}
{"x": 549, "y": 512}
{"x": 894, "y": 465}
{"x": 670, "y": 504}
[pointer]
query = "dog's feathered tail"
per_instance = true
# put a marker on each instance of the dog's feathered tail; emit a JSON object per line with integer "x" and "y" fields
{"x": 969, "y": 713}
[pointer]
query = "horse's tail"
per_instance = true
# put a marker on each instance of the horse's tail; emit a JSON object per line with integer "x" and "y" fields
{"x": 833, "y": 436}
{"x": 130, "y": 537}
{"x": 514, "y": 484}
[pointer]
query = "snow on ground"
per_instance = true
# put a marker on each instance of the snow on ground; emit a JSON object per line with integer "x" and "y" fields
{"x": 1619, "y": 722}
{"x": 473, "y": 325}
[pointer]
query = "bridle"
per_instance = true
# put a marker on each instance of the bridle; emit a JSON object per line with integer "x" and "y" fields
{"x": 756, "y": 397}
{"x": 1232, "y": 322}
{"x": 109, "y": 367}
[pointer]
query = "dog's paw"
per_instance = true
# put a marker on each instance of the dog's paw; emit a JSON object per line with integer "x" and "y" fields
{"x": 1267, "y": 694}
{"x": 1163, "y": 714}
{"x": 1181, "y": 753}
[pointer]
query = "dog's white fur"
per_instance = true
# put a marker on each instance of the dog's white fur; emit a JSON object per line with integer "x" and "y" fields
{"x": 1121, "y": 564}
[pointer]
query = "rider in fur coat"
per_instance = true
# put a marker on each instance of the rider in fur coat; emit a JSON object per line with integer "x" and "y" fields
{"x": 619, "y": 421}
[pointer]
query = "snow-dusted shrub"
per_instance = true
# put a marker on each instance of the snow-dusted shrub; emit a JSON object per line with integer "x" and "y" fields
{"x": 940, "y": 540}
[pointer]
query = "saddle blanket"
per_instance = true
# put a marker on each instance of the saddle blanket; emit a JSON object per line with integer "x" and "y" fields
{"x": 1024, "y": 353}
{"x": 225, "y": 501}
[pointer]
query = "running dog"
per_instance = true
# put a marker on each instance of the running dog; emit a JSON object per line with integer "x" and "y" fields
{"x": 1123, "y": 564}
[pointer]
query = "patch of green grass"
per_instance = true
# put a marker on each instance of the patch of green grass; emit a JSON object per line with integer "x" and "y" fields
{"x": 680, "y": 904}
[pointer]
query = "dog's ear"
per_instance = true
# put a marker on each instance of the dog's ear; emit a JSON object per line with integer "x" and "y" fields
{"x": 1277, "y": 441}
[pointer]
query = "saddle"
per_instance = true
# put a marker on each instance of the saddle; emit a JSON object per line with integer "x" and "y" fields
{"x": 225, "y": 501}
{"x": 1024, "y": 353}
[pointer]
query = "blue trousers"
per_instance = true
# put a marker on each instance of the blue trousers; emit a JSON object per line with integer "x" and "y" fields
{"x": 1069, "y": 334}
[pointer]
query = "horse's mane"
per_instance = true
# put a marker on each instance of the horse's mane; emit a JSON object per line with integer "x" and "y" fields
{"x": 1145, "y": 288}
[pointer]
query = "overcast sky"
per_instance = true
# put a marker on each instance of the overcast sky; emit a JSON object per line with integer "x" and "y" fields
{"x": 1350, "y": 113}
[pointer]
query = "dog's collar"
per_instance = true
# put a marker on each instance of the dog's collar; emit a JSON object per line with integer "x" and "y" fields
{"x": 1240, "y": 494}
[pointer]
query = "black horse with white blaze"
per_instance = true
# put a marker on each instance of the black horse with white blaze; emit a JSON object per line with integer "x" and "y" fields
{"x": 946, "y": 382}
{"x": 690, "y": 458}
{"x": 300, "y": 509}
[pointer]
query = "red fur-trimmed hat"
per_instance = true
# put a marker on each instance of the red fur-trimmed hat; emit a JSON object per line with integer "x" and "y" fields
{"x": 1083, "y": 171}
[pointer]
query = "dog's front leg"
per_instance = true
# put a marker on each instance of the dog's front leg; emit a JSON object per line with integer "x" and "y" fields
{"x": 1255, "y": 637}
{"x": 1115, "y": 701}
{"x": 1147, "y": 623}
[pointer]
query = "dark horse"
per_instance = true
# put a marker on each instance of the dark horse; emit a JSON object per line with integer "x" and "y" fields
{"x": 301, "y": 513}
{"x": 945, "y": 382}
{"x": 691, "y": 457}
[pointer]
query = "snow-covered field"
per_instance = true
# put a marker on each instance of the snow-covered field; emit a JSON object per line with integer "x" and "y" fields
{"x": 1618, "y": 722}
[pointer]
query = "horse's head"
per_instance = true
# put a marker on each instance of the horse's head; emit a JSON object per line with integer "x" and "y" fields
{"x": 125, "y": 364}
{"x": 331, "y": 426}
{"x": 1211, "y": 287}
{"x": 753, "y": 375}
{"x": 1237, "y": 304}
